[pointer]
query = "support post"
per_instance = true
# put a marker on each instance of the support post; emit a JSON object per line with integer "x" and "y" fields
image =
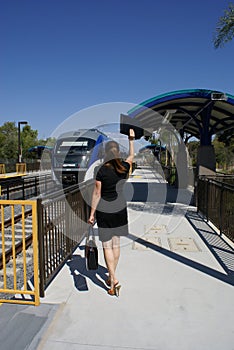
{"x": 206, "y": 163}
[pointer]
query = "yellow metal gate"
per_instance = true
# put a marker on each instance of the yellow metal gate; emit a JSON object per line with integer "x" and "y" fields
{"x": 19, "y": 282}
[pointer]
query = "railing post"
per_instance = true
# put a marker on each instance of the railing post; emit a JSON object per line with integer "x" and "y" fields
{"x": 23, "y": 190}
{"x": 220, "y": 210}
{"x": 197, "y": 186}
{"x": 207, "y": 182}
{"x": 41, "y": 256}
{"x": 67, "y": 222}
{"x": 8, "y": 192}
{"x": 45, "y": 184}
{"x": 35, "y": 186}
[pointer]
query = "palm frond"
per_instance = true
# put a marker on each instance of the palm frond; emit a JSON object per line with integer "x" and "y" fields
{"x": 225, "y": 28}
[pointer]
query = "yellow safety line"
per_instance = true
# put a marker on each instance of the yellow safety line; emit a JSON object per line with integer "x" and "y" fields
{"x": 9, "y": 176}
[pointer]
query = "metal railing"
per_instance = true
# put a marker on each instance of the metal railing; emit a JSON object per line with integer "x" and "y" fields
{"x": 25, "y": 187}
{"x": 59, "y": 223}
{"x": 215, "y": 200}
{"x": 62, "y": 224}
{"x": 19, "y": 281}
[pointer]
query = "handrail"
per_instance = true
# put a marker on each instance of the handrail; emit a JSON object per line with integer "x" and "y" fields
{"x": 62, "y": 224}
{"x": 215, "y": 200}
{"x": 25, "y": 187}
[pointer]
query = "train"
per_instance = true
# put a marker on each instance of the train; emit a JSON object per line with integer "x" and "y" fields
{"x": 77, "y": 153}
{"x": 74, "y": 153}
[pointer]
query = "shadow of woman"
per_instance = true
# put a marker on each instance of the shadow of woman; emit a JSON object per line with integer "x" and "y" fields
{"x": 77, "y": 265}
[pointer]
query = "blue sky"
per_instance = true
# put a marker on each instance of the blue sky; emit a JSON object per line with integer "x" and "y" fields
{"x": 61, "y": 56}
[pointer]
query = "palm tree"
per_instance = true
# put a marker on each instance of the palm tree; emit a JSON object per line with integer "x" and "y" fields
{"x": 225, "y": 27}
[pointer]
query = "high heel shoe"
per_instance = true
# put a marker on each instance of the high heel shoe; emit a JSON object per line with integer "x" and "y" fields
{"x": 114, "y": 291}
{"x": 108, "y": 283}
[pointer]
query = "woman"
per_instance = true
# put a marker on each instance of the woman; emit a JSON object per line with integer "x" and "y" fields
{"x": 109, "y": 204}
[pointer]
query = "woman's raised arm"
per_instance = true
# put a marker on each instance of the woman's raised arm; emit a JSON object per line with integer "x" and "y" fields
{"x": 131, "y": 139}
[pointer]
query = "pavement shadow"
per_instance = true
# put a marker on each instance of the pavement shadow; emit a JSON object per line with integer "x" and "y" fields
{"x": 226, "y": 278}
{"x": 222, "y": 251}
{"x": 158, "y": 208}
{"x": 157, "y": 192}
{"x": 78, "y": 269}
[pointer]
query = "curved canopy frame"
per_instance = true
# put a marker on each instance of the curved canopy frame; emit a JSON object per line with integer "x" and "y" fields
{"x": 197, "y": 113}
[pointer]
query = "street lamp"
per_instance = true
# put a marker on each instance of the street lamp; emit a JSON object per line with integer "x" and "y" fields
{"x": 19, "y": 142}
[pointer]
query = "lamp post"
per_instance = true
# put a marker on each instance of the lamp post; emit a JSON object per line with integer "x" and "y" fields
{"x": 19, "y": 141}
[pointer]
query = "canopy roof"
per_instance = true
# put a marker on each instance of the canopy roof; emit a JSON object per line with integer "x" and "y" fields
{"x": 40, "y": 148}
{"x": 152, "y": 147}
{"x": 188, "y": 110}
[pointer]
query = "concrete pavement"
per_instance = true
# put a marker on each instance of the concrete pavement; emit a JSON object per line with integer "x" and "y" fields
{"x": 175, "y": 293}
{"x": 177, "y": 283}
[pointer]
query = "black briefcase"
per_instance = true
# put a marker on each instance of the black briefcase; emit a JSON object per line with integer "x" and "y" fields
{"x": 91, "y": 251}
{"x": 127, "y": 123}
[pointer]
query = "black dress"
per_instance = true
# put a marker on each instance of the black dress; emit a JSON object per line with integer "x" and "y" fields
{"x": 111, "y": 213}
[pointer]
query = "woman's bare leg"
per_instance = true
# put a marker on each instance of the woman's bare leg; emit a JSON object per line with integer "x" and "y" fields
{"x": 111, "y": 255}
{"x": 116, "y": 249}
{"x": 110, "y": 261}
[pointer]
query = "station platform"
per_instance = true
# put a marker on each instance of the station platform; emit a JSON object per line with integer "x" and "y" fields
{"x": 11, "y": 175}
{"x": 176, "y": 275}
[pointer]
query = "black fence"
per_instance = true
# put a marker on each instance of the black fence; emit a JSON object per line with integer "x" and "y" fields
{"x": 215, "y": 200}
{"x": 62, "y": 225}
{"x": 25, "y": 187}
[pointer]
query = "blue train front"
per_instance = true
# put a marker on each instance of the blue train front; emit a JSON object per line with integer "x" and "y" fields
{"x": 75, "y": 153}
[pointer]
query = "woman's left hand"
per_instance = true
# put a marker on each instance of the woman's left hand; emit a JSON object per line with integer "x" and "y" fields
{"x": 91, "y": 220}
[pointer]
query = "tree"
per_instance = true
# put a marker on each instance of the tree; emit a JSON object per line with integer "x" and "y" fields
{"x": 29, "y": 139}
{"x": 193, "y": 149}
{"x": 224, "y": 155}
{"x": 227, "y": 137}
{"x": 225, "y": 27}
{"x": 8, "y": 141}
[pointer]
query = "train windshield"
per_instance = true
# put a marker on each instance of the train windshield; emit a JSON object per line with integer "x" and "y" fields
{"x": 73, "y": 153}
{"x": 75, "y": 147}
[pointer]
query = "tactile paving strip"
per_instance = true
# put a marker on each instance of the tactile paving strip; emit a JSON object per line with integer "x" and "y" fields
{"x": 156, "y": 229}
{"x": 151, "y": 239}
{"x": 183, "y": 244}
